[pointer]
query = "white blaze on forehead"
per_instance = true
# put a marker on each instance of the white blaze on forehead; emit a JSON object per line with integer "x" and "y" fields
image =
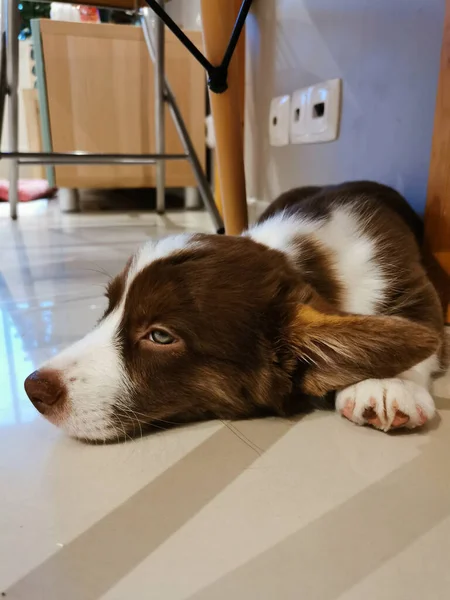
{"x": 155, "y": 250}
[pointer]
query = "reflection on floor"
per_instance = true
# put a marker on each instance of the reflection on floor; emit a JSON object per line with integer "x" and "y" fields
{"x": 313, "y": 508}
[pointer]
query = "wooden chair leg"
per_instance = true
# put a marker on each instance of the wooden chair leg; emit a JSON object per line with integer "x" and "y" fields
{"x": 437, "y": 213}
{"x": 218, "y": 18}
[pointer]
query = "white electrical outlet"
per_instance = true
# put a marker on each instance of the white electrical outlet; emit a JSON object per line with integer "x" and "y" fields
{"x": 298, "y": 130}
{"x": 319, "y": 107}
{"x": 279, "y": 118}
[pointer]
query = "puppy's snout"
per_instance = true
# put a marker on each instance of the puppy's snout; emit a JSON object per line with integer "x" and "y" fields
{"x": 46, "y": 390}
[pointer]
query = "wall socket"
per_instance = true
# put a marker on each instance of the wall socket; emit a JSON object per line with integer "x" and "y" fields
{"x": 315, "y": 113}
{"x": 299, "y": 116}
{"x": 279, "y": 120}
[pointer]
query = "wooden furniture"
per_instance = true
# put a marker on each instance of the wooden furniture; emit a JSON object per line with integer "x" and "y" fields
{"x": 115, "y": 4}
{"x": 437, "y": 215}
{"x": 33, "y": 126}
{"x": 164, "y": 97}
{"x": 218, "y": 17}
{"x": 239, "y": 57}
{"x": 100, "y": 97}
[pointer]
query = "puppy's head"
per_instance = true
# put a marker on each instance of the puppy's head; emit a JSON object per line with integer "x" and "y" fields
{"x": 208, "y": 326}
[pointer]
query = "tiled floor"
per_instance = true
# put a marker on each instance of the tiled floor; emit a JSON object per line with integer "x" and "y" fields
{"x": 313, "y": 509}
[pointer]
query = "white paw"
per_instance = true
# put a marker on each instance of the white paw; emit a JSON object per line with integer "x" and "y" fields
{"x": 386, "y": 403}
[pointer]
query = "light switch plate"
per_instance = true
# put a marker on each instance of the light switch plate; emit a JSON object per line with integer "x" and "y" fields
{"x": 298, "y": 130}
{"x": 324, "y": 111}
{"x": 320, "y": 107}
{"x": 279, "y": 121}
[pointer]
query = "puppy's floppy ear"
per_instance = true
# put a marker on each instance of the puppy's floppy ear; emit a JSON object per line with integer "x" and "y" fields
{"x": 344, "y": 349}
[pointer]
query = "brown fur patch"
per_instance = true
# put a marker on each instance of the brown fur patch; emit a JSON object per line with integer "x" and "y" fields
{"x": 344, "y": 349}
{"x": 228, "y": 299}
{"x": 316, "y": 264}
{"x": 397, "y": 231}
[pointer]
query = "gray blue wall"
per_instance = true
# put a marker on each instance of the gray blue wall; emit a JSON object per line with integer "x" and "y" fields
{"x": 387, "y": 54}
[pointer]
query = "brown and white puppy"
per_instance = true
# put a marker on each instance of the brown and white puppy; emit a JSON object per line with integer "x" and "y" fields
{"x": 328, "y": 292}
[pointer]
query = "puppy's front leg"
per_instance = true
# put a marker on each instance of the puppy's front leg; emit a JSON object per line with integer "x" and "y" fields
{"x": 403, "y": 401}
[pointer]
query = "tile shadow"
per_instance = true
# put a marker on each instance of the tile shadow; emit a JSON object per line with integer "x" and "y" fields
{"x": 97, "y": 559}
{"x": 334, "y": 552}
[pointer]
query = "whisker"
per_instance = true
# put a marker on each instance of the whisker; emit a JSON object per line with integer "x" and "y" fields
{"x": 146, "y": 416}
{"x": 129, "y": 413}
{"x": 137, "y": 421}
{"x": 243, "y": 438}
{"x": 171, "y": 422}
{"x": 99, "y": 270}
{"x": 256, "y": 447}
{"x": 124, "y": 430}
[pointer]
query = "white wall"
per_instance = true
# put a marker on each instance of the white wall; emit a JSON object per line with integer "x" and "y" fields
{"x": 185, "y": 13}
{"x": 386, "y": 52}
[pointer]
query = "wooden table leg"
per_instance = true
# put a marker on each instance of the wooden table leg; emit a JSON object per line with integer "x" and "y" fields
{"x": 218, "y": 18}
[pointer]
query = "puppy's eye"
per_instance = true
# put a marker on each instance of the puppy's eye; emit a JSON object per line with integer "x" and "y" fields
{"x": 159, "y": 336}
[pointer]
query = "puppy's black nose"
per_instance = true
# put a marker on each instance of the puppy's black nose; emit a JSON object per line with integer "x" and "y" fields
{"x": 45, "y": 389}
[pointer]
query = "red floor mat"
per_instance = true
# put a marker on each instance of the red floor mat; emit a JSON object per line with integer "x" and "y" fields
{"x": 29, "y": 189}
